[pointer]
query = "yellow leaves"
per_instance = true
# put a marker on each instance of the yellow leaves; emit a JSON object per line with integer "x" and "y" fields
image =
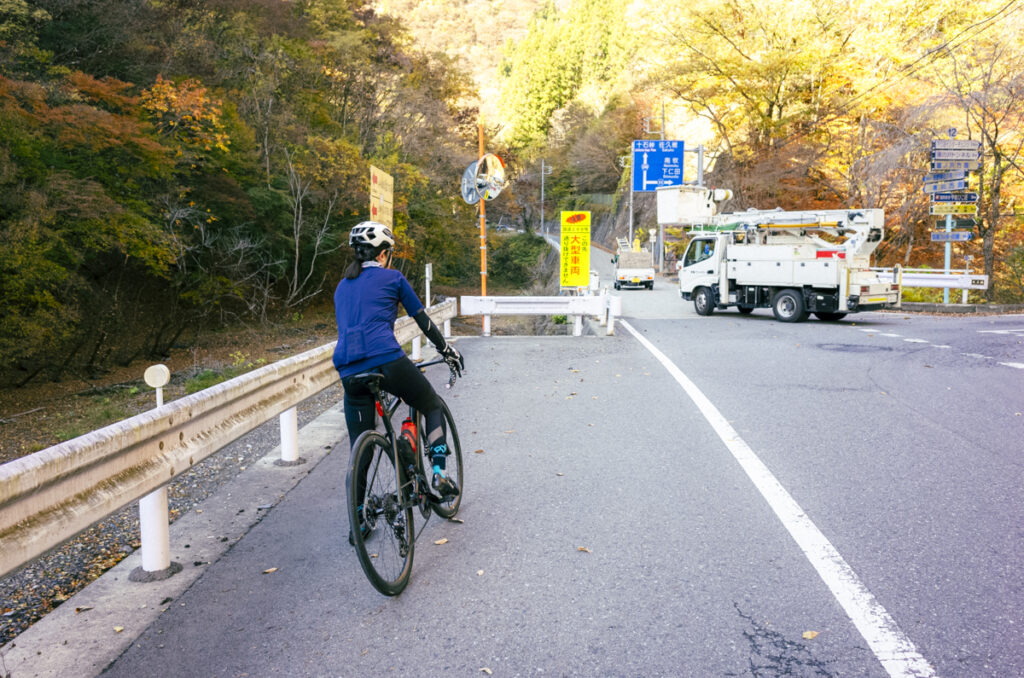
{"x": 186, "y": 112}
{"x": 442, "y": 541}
{"x": 583, "y": 549}
{"x": 118, "y": 629}
{"x": 810, "y": 635}
{"x": 486, "y": 670}
{"x": 271, "y": 570}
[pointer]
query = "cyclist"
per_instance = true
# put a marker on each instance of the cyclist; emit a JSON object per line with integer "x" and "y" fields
{"x": 365, "y": 307}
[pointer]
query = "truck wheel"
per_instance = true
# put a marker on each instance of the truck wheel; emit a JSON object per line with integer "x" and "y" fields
{"x": 788, "y": 306}
{"x": 618, "y": 286}
{"x": 703, "y": 301}
{"x": 823, "y": 315}
{"x": 745, "y": 310}
{"x": 650, "y": 285}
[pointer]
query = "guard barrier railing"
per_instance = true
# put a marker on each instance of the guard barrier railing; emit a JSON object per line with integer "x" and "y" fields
{"x": 51, "y": 495}
{"x": 605, "y": 307}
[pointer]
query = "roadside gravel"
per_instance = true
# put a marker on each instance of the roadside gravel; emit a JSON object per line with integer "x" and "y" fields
{"x": 27, "y": 594}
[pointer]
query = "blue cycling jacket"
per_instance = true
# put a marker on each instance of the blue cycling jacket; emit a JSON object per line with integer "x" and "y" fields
{"x": 366, "y": 309}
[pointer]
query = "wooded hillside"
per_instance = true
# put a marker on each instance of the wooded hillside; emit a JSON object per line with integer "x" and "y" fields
{"x": 174, "y": 163}
{"x": 165, "y": 165}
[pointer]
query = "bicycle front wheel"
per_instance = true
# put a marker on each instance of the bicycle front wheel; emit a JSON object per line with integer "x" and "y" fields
{"x": 380, "y": 515}
{"x": 453, "y": 467}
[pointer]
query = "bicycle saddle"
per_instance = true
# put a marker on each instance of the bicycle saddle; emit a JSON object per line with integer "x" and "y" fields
{"x": 372, "y": 380}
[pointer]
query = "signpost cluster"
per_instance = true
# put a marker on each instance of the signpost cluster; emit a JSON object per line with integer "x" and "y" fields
{"x": 947, "y": 183}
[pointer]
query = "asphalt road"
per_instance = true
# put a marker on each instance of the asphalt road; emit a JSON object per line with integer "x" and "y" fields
{"x": 610, "y": 530}
{"x": 695, "y": 496}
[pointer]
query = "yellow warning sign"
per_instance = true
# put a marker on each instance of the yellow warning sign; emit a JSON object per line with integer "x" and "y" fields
{"x": 575, "y": 268}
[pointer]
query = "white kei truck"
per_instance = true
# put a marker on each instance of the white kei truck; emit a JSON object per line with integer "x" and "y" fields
{"x": 795, "y": 263}
{"x": 632, "y": 268}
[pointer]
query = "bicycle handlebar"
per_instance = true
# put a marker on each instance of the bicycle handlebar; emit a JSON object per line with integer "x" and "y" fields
{"x": 437, "y": 361}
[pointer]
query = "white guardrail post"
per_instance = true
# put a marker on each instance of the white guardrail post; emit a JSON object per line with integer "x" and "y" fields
{"x": 51, "y": 495}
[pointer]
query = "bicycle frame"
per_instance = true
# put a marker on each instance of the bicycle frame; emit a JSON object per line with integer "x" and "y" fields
{"x": 386, "y": 404}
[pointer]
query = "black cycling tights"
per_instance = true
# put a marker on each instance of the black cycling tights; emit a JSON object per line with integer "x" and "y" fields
{"x": 405, "y": 380}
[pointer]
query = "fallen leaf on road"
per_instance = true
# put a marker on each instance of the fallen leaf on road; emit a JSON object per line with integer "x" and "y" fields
{"x": 559, "y": 474}
{"x": 479, "y": 573}
{"x": 583, "y": 548}
{"x": 511, "y": 430}
{"x": 442, "y": 540}
{"x": 487, "y": 671}
{"x": 118, "y": 629}
{"x": 270, "y": 571}
{"x": 456, "y": 520}
{"x": 82, "y": 609}
{"x": 478, "y": 451}
{"x": 809, "y": 635}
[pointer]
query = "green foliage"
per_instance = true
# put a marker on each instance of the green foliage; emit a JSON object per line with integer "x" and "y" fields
{"x": 580, "y": 50}
{"x": 512, "y": 260}
{"x": 240, "y": 364}
{"x": 138, "y": 202}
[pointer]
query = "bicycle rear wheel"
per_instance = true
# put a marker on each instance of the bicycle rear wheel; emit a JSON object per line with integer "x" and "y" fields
{"x": 380, "y": 515}
{"x": 453, "y": 468}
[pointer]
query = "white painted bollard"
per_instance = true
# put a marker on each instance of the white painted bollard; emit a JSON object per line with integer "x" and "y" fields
{"x": 577, "y": 326}
{"x": 416, "y": 348}
{"x": 289, "y": 439}
{"x": 487, "y": 325}
{"x": 154, "y": 521}
{"x": 614, "y": 309}
{"x": 154, "y": 526}
{"x": 447, "y": 328}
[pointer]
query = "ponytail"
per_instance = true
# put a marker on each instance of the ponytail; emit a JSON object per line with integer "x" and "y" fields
{"x": 354, "y": 269}
{"x": 363, "y": 253}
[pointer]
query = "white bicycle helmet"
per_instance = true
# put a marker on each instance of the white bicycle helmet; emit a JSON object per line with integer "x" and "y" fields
{"x": 372, "y": 234}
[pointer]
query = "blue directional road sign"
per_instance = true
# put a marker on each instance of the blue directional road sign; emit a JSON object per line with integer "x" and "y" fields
{"x": 950, "y": 236}
{"x": 657, "y": 163}
{"x": 955, "y": 197}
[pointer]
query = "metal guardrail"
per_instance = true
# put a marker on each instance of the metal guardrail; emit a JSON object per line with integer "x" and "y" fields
{"x": 51, "y": 495}
{"x": 603, "y": 306}
{"x": 961, "y": 279}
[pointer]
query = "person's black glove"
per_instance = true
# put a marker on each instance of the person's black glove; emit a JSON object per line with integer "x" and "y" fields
{"x": 453, "y": 358}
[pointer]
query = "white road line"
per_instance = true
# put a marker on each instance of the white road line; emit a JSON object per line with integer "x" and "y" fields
{"x": 891, "y": 646}
{"x": 917, "y": 341}
{"x": 1019, "y": 366}
{"x": 891, "y": 335}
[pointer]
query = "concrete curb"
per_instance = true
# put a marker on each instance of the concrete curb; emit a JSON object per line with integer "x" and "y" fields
{"x": 920, "y": 307}
{"x": 80, "y": 638}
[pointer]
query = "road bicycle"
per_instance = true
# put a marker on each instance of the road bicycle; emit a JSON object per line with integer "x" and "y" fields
{"x": 387, "y": 479}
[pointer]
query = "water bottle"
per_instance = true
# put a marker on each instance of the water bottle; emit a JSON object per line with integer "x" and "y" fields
{"x": 407, "y": 443}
